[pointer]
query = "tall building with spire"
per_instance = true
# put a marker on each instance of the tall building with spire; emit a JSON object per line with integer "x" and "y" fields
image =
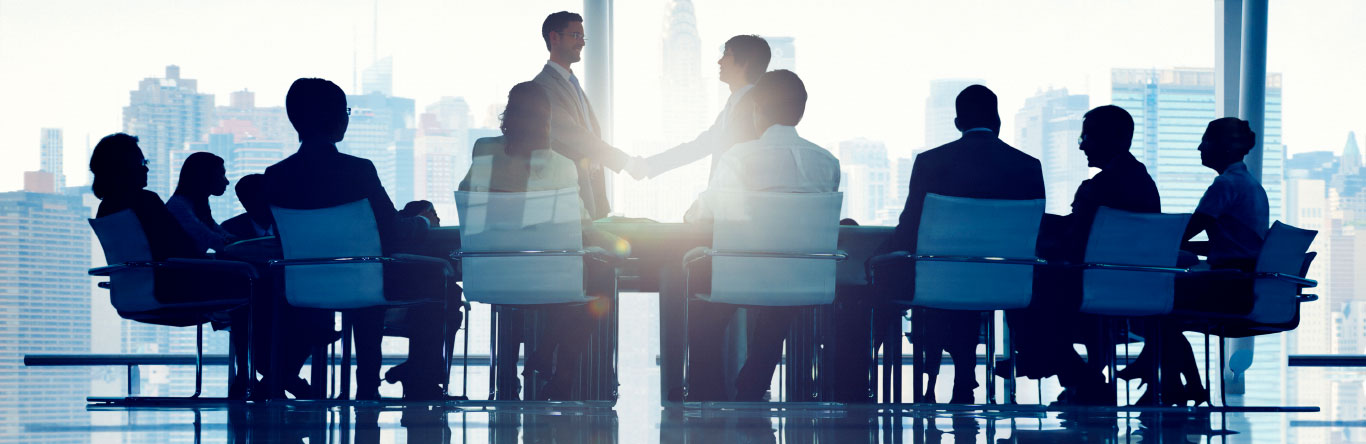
{"x": 51, "y": 155}
{"x": 165, "y": 113}
{"x": 1351, "y": 156}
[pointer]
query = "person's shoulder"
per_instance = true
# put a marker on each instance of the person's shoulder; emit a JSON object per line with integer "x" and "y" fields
{"x": 146, "y": 195}
{"x": 489, "y": 145}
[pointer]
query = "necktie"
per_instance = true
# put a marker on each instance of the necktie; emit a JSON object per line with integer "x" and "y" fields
{"x": 583, "y": 100}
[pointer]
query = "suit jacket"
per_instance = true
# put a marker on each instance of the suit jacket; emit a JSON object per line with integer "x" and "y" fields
{"x": 318, "y": 176}
{"x": 978, "y": 165}
{"x": 1123, "y": 184}
{"x": 731, "y": 127}
{"x": 580, "y": 139}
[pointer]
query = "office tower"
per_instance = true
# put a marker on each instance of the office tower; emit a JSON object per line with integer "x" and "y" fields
{"x": 440, "y": 161}
{"x": 376, "y": 133}
{"x": 901, "y": 184}
{"x": 865, "y": 178}
{"x": 684, "y": 115}
{"x": 1171, "y": 108}
{"x": 266, "y": 122}
{"x": 783, "y": 51}
{"x": 940, "y": 111}
{"x": 453, "y": 114}
{"x": 1351, "y": 156}
{"x": 44, "y": 253}
{"x": 165, "y": 113}
{"x": 51, "y": 155}
{"x": 1047, "y": 128}
{"x": 378, "y": 78}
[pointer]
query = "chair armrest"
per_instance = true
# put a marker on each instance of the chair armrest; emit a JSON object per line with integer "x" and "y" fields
{"x": 1307, "y": 298}
{"x": 221, "y": 265}
{"x": 978, "y": 259}
{"x": 425, "y": 260}
{"x": 461, "y": 254}
{"x": 602, "y": 255}
{"x": 699, "y": 253}
{"x": 886, "y": 259}
{"x": 1126, "y": 267}
{"x": 1302, "y": 282}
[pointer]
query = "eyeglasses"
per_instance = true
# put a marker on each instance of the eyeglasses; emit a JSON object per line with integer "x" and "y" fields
{"x": 145, "y": 162}
{"x": 1081, "y": 139}
{"x": 575, "y": 35}
{"x": 348, "y": 111}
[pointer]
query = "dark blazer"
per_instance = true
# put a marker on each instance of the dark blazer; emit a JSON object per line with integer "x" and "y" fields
{"x": 978, "y": 165}
{"x": 580, "y": 140}
{"x": 1123, "y": 184}
{"x": 318, "y": 176}
{"x": 164, "y": 234}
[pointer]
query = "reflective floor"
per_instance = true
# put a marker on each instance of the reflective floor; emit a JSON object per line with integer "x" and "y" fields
{"x": 299, "y": 423}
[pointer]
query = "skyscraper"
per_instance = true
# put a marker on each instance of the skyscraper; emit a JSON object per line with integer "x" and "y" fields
{"x": 51, "y": 155}
{"x": 1171, "y": 108}
{"x": 865, "y": 178}
{"x": 440, "y": 160}
{"x": 44, "y": 252}
{"x": 165, "y": 113}
{"x": 1351, "y": 156}
{"x": 939, "y": 110}
{"x": 378, "y": 78}
{"x": 1047, "y": 128}
{"x": 377, "y": 123}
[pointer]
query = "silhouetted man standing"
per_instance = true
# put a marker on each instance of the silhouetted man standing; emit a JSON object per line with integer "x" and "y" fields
{"x": 574, "y": 129}
{"x": 977, "y": 165}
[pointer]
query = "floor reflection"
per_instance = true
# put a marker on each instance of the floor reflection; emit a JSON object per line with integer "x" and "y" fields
{"x": 317, "y": 423}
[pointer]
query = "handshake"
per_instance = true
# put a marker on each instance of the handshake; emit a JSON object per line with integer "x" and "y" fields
{"x": 638, "y": 168}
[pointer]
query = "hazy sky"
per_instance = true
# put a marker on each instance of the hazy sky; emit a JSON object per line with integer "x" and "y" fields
{"x": 867, "y": 64}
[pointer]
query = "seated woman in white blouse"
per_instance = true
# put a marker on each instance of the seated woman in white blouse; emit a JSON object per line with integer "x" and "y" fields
{"x": 202, "y": 175}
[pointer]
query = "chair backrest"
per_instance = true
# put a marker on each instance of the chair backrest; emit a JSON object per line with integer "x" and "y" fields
{"x": 1124, "y": 238}
{"x": 1282, "y": 252}
{"x": 346, "y": 230}
{"x": 123, "y": 240}
{"x": 773, "y": 223}
{"x": 860, "y": 242}
{"x": 959, "y": 226}
{"x": 510, "y": 222}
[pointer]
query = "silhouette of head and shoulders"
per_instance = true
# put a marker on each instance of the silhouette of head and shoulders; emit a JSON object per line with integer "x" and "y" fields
{"x": 202, "y": 175}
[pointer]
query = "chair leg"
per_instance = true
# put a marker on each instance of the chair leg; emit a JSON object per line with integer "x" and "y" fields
{"x": 465, "y": 358}
{"x": 346, "y": 358}
{"x": 1207, "y": 369}
{"x": 918, "y": 359}
{"x": 1223, "y": 395}
{"x": 493, "y": 351}
{"x": 198, "y": 360}
{"x": 447, "y": 348}
{"x": 687, "y": 345}
{"x": 1011, "y": 387}
{"x": 990, "y": 318}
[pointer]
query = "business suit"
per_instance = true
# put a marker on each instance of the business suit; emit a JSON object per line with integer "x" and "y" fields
{"x": 318, "y": 176}
{"x": 977, "y": 165}
{"x": 575, "y": 133}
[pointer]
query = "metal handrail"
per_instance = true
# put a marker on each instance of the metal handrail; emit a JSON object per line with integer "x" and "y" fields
{"x": 1127, "y": 267}
{"x": 331, "y": 260}
{"x": 459, "y": 254}
{"x": 232, "y": 266}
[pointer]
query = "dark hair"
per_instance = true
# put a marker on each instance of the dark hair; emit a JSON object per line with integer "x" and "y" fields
{"x": 316, "y": 108}
{"x": 199, "y": 172}
{"x": 976, "y": 108}
{"x": 111, "y": 169}
{"x": 1232, "y": 133}
{"x": 251, "y": 190}
{"x": 753, "y": 51}
{"x": 556, "y": 23}
{"x": 1114, "y": 126}
{"x": 526, "y": 119}
{"x": 781, "y": 96}
{"x": 415, "y": 208}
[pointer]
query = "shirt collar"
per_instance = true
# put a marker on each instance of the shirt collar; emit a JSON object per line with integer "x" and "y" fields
{"x": 559, "y": 69}
{"x": 979, "y": 130}
{"x": 1235, "y": 168}
{"x": 738, "y": 94}
{"x": 779, "y": 132}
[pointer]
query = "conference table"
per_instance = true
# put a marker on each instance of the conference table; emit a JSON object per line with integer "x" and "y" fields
{"x": 655, "y": 265}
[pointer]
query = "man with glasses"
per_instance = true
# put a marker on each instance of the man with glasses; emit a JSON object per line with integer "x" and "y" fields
{"x": 575, "y": 132}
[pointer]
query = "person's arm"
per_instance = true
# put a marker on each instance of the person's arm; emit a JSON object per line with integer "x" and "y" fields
{"x": 164, "y": 234}
{"x": 398, "y": 228}
{"x": 576, "y": 142}
{"x": 205, "y": 237}
{"x": 1198, "y": 222}
{"x": 706, "y": 143}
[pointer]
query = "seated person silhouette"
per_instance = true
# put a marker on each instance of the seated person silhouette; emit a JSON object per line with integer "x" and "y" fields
{"x": 778, "y": 161}
{"x": 521, "y": 161}
{"x": 120, "y": 179}
{"x": 977, "y": 165}
{"x": 202, "y": 175}
{"x": 1044, "y": 345}
{"x": 320, "y": 176}
{"x": 257, "y": 220}
{"x": 1235, "y": 214}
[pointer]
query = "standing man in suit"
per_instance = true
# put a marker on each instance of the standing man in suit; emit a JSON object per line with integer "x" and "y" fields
{"x": 319, "y": 176}
{"x": 574, "y": 125}
{"x": 977, "y": 165}
{"x": 744, "y": 59}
